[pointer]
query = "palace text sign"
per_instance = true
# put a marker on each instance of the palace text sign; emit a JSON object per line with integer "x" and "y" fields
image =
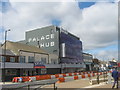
{"x": 42, "y": 38}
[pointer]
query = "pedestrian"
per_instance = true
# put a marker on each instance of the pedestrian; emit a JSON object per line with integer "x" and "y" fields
{"x": 115, "y": 77}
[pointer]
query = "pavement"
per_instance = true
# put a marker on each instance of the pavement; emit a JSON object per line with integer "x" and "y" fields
{"x": 76, "y": 85}
{"x": 70, "y": 84}
{"x": 1, "y": 83}
{"x": 81, "y": 83}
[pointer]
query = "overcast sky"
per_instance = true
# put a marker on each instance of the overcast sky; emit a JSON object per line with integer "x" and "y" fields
{"x": 96, "y": 23}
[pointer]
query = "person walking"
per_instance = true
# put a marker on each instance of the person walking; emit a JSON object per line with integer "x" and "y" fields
{"x": 115, "y": 77}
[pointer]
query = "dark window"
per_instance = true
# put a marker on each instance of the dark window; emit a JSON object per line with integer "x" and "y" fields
{"x": 53, "y": 61}
{"x": 24, "y": 72}
{"x": 22, "y": 59}
{"x": 3, "y": 58}
{"x": 31, "y": 59}
{"x": 43, "y": 71}
{"x": 12, "y": 59}
{"x": 11, "y": 72}
{"x": 43, "y": 60}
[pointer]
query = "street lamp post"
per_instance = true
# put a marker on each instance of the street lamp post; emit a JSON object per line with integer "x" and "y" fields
{"x": 5, "y": 56}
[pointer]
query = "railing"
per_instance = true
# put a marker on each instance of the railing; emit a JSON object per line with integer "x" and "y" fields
{"x": 28, "y": 85}
{"x": 99, "y": 78}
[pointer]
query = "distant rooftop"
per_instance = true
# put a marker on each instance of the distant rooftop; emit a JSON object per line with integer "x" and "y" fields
{"x": 8, "y": 52}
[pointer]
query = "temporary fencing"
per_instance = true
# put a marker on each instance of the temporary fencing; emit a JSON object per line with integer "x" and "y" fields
{"x": 85, "y": 75}
{"x": 60, "y": 77}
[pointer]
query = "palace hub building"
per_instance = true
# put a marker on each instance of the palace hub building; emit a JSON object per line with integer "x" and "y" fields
{"x": 55, "y": 40}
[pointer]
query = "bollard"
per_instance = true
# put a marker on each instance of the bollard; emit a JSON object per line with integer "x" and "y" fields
{"x": 98, "y": 79}
{"x": 28, "y": 87}
{"x": 104, "y": 76}
{"x": 109, "y": 78}
{"x": 55, "y": 88}
{"x": 90, "y": 78}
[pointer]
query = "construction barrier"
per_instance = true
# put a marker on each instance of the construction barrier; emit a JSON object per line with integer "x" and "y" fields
{"x": 32, "y": 79}
{"x": 85, "y": 75}
{"x": 16, "y": 79}
{"x": 44, "y": 77}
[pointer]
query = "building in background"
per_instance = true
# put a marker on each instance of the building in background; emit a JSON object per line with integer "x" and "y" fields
{"x": 27, "y": 60}
{"x": 103, "y": 65}
{"x": 55, "y": 40}
{"x": 95, "y": 64}
{"x": 48, "y": 50}
{"x": 112, "y": 64}
{"x": 88, "y": 60}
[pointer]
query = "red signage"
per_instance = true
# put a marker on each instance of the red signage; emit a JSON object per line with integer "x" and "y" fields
{"x": 39, "y": 65}
{"x": 118, "y": 64}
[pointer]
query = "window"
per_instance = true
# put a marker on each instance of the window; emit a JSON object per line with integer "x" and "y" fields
{"x": 3, "y": 58}
{"x": 31, "y": 59}
{"x": 53, "y": 61}
{"x": 22, "y": 59}
{"x": 9, "y": 72}
{"x": 12, "y": 59}
{"x": 43, "y": 60}
{"x": 25, "y": 73}
{"x": 43, "y": 71}
{"x": 35, "y": 72}
{"x": 0, "y": 58}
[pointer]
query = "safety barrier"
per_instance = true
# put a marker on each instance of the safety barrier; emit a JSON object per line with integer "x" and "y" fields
{"x": 44, "y": 77}
{"x": 85, "y": 75}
